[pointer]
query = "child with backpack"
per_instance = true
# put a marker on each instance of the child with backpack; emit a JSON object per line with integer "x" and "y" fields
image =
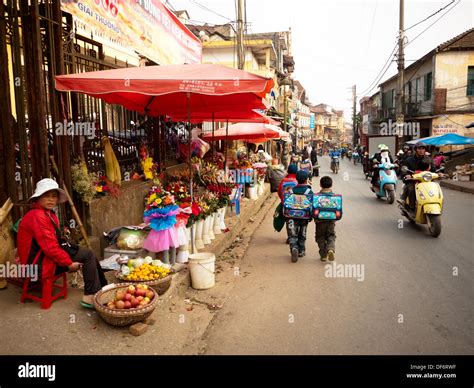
{"x": 297, "y": 206}
{"x": 327, "y": 209}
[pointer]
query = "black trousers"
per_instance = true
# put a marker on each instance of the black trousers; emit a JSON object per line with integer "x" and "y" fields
{"x": 409, "y": 191}
{"x": 94, "y": 278}
{"x": 297, "y": 233}
{"x": 325, "y": 236}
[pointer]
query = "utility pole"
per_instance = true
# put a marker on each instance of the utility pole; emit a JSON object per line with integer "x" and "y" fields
{"x": 400, "y": 102}
{"x": 354, "y": 119}
{"x": 240, "y": 35}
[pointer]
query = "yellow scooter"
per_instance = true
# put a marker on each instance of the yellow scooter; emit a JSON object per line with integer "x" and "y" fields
{"x": 429, "y": 200}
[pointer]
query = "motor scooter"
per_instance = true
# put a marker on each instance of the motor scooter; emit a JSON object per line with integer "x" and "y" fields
{"x": 429, "y": 200}
{"x": 335, "y": 164}
{"x": 387, "y": 182}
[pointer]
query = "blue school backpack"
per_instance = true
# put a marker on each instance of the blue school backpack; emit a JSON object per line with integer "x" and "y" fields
{"x": 298, "y": 206}
{"x": 327, "y": 206}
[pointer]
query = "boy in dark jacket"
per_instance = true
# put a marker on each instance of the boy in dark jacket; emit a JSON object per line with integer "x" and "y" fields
{"x": 297, "y": 227}
{"x": 325, "y": 230}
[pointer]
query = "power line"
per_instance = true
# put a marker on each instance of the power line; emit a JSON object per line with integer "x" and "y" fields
{"x": 444, "y": 14}
{"x": 210, "y": 10}
{"x": 438, "y": 11}
{"x": 380, "y": 74}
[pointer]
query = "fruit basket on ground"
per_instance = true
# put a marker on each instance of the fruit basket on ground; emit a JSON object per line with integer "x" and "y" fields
{"x": 124, "y": 304}
{"x": 154, "y": 274}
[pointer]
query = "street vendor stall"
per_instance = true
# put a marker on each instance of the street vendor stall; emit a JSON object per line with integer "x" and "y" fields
{"x": 194, "y": 92}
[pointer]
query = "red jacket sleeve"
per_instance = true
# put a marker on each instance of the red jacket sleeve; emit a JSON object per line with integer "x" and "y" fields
{"x": 45, "y": 235}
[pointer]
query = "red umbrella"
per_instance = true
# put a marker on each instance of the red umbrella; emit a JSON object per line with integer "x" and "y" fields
{"x": 247, "y": 131}
{"x": 172, "y": 89}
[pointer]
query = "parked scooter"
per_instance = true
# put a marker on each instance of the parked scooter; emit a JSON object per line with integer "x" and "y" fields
{"x": 429, "y": 200}
{"x": 387, "y": 182}
{"x": 335, "y": 164}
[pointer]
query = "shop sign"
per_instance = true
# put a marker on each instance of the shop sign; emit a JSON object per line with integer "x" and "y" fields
{"x": 144, "y": 26}
{"x": 311, "y": 121}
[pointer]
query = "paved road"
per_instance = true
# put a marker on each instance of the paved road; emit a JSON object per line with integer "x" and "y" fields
{"x": 409, "y": 302}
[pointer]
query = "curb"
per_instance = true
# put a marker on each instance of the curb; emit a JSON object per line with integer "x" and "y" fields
{"x": 454, "y": 186}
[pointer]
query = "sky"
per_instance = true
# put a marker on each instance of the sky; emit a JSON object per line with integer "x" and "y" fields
{"x": 340, "y": 43}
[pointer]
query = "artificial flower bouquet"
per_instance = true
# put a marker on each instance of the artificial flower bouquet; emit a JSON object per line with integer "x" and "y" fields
{"x": 160, "y": 214}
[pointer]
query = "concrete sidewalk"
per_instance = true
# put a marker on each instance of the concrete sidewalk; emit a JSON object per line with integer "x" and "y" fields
{"x": 466, "y": 187}
{"x": 67, "y": 328}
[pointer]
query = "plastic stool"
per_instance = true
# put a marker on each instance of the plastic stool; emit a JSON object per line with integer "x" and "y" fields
{"x": 47, "y": 286}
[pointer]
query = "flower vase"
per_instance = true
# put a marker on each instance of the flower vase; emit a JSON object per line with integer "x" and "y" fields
{"x": 192, "y": 244}
{"x": 205, "y": 231}
{"x": 198, "y": 241}
{"x": 183, "y": 254}
{"x": 222, "y": 212}
{"x": 211, "y": 227}
{"x": 260, "y": 189}
{"x": 217, "y": 227}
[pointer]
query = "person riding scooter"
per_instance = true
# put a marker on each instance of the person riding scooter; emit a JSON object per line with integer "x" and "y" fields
{"x": 383, "y": 156}
{"x": 335, "y": 154}
{"x": 418, "y": 162}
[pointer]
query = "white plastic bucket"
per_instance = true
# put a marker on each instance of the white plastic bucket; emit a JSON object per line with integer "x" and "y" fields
{"x": 202, "y": 270}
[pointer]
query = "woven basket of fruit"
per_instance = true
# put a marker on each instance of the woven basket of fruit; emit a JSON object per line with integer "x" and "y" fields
{"x": 159, "y": 285}
{"x": 157, "y": 277}
{"x": 124, "y": 304}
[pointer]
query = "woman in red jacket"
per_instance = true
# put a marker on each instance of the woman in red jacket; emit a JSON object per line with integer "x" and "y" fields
{"x": 38, "y": 242}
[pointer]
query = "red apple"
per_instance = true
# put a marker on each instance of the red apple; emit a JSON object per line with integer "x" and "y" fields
{"x": 128, "y": 296}
{"x": 120, "y": 304}
{"x": 134, "y": 302}
{"x": 141, "y": 292}
{"x": 127, "y": 304}
{"x": 131, "y": 289}
{"x": 139, "y": 298}
{"x": 143, "y": 303}
{"x": 150, "y": 294}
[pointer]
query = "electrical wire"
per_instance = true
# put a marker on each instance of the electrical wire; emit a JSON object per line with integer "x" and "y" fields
{"x": 444, "y": 14}
{"x": 428, "y": 17}
{"x": 379, "y": 76}
{"x": 209, "y": 10}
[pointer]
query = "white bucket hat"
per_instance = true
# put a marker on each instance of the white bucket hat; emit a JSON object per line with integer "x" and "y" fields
{"x": 47, "y": 184}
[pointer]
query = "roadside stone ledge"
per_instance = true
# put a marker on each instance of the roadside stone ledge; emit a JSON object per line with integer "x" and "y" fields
{"x": 466, "y": 187}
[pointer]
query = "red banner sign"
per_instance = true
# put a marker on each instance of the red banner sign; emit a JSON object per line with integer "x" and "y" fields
{"x": 144, "y": 26}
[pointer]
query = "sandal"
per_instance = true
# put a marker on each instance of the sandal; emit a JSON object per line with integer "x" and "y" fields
{"x": 87, "y": 305}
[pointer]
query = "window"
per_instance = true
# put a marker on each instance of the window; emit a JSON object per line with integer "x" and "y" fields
{"x": 428, "y": 80}
{"x": 470, "y": 81}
